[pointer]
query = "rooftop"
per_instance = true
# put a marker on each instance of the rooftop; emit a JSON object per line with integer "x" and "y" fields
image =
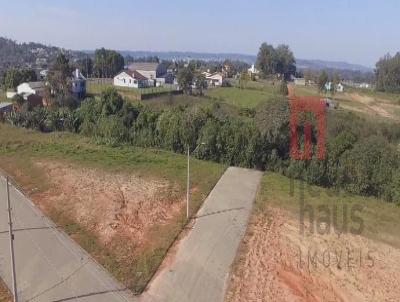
{"x": 135, "y": 74}
{"x": 5, "y": 104}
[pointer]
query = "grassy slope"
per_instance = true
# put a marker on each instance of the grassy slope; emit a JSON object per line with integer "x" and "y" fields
{"x": 19, "y": 148}
{"x": 242, "y": 98}
{"x": 381, "y": 219}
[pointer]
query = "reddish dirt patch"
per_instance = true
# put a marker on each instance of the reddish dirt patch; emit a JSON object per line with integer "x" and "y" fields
{"x": 277, "y": 263}
{"x": 107, "y": 204}
{"x": 5, "y": 295}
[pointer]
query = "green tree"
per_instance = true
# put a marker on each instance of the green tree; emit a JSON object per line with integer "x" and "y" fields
{"x": 107, "y": 63}
{"x": 60, "y": 80}
{"x": 200, "y": 82}
{"x": 185, "y": 79}
{"x": 285, "y": 62}
{"x": 387, "y": 73}
{"x": 14, "y": 77}
{"x": 266, "y": 59}
{"x": 322, "y": 80}
{"x": 85, "y": 65}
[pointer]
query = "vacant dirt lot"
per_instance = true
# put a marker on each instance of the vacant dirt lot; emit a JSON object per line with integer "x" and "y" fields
{"x": 125, "y": 221}
{"x": 278, "y": 263}
{"x": 108, "y": 204}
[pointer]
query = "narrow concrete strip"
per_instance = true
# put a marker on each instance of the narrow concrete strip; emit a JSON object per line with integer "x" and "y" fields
{"x": 50, "y": 266}
{"x": 201, "y": 266}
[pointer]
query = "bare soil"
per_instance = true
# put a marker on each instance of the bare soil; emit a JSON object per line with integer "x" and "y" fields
{"x": 5, "y": 295}
{"x": 126, "y": 222}
{"x": 108, "y": 204}
{"x": 278, "y": 263}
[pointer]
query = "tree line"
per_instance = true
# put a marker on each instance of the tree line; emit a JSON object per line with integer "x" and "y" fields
{"x": 361, "y": 156}
{"x": 279, "y": 61}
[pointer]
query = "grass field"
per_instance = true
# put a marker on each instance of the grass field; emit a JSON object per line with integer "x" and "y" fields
{"x": 20, "y": 148}
{"x": 242, "y": 98}
{"x": 381, "y": 219}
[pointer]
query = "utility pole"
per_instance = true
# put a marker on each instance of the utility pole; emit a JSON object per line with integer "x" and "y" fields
{"x": 14, "y": 287}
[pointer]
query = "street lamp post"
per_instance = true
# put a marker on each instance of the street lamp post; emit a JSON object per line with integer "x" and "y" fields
{"x": 188, "y": 179}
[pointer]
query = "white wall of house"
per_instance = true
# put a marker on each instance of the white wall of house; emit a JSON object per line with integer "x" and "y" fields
{"x": 215, "y": 79}
{"x": 125, "y": 80}
{"x": 25, "y": 88}
{"x": 10, "y": 94}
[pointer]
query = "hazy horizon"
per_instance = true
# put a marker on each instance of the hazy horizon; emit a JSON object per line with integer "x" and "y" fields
{"x": 357, "y": 32}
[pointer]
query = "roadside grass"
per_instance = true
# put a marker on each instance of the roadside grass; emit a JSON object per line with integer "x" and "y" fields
{"x": 381, "y": 219}
{"x": 241, "y": 98}
{"x": 20, "y": 148}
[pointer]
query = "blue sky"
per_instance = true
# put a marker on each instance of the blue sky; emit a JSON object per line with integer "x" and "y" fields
{"x": 354, "y": 31}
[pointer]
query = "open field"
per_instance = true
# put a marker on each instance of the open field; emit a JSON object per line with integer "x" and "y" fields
{"x": 369, "y": 103}
{"x": 242, "y": 98}
{"x": 285, "y": 257}
{"x": 65, "y": 175}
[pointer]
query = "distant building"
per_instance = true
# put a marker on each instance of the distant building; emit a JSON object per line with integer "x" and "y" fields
{"x": 328, "y": 86}
{"x": 36, "y": 88}
{"x": 215, "y": 79}
{"x": 78, "y": 84}
{"x": 131, "y": 78}
{"x": 300, "y": 81}
{"x": 4, "y": 108}
{"x": 11, "y": 94}
{"x": 339, "y": 87}
{"x": 253, "y": 70}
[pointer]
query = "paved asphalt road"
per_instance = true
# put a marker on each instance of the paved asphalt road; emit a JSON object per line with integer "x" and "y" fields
{"x": 200, "y": 269}
{"x": 50, "y": 266}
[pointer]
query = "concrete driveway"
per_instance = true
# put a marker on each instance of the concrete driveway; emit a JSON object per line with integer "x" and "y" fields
{"x": 200, "y": 269}
{"x": 50, "y": 266}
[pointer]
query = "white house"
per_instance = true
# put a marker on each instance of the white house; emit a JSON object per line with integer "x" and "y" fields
{"x": 253, "y": 70}
{"x": 215, "y": 79}
{"x": 29, "y": 88}
{"x": 300, "y": 81}
{"x": 340, "y": 87}
{"x": 78, "y": 84}
{"x": 11, "y": 94}
{"x": 131, "y": 78}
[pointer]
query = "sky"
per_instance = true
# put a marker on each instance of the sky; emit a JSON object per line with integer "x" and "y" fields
{"x": 354, "y": 31}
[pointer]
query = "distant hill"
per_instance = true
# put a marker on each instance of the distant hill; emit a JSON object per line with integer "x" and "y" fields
{"x": 320, "y": 64}
{"x": 39, "y": 56}
{"x": 250, "y": 59}
{"x": 29, "y": 55}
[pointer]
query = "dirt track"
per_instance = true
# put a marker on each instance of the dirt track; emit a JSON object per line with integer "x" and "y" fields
{"x": 277, "y": 263}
